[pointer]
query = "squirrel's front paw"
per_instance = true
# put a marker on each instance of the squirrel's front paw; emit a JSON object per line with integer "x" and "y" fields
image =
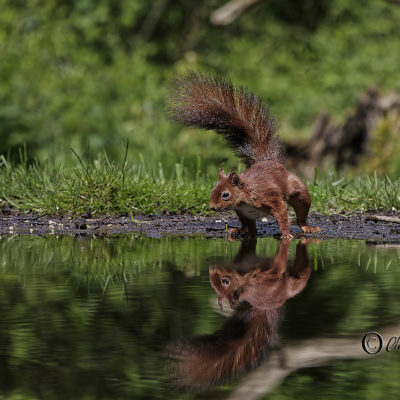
{"x": 310, "y": 229}
{"x": 243, "y": 232}
{"x": 233, "y": 233}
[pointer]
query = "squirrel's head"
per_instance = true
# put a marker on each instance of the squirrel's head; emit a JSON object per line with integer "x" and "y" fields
{"x": 227, "y": 284}
{"x": 228, "y": 191}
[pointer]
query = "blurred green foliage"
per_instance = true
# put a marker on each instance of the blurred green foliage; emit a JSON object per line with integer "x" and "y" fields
{"x": 345, "y": 379}
{"x": 89, "y": 75}
{"x": 384, "y": 148}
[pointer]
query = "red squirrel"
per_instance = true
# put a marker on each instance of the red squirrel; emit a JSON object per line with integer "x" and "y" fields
{"x": 266, "y": 186}
{"x": 257, "y": 288}
{"x": 265, "y": 284}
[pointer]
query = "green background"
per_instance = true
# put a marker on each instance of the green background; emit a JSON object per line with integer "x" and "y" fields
{"x": 90, "y": 75}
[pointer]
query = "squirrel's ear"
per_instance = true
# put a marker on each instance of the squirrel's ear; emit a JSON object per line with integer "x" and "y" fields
{"x": 221, "y": 173}
{"x": 235, "y": 179}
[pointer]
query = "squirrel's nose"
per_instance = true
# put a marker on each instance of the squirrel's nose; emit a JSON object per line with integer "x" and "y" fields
{"x": 212, "y": 206}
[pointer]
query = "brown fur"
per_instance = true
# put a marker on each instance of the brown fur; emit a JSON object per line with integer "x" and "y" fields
{"x": 263, "y": 286}
{"x": 266, "y": 186}
{"x": 242, "y": 342}
{"x": 268, "y": 284}
{"x": 211, "y": 103}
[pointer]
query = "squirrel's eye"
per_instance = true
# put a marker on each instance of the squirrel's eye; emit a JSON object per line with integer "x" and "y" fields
{"x": 225, "y": 280}
{"x": 226, "y": 196}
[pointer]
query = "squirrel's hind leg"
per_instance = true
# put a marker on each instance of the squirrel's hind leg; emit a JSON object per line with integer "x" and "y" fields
{"x": 300, "y": 200}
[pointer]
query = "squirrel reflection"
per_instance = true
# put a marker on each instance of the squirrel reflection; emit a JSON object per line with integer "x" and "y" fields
{"x": 257, "y": 287}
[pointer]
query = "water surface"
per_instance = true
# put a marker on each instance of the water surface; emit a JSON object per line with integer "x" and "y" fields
{"x": 135, "y": 317}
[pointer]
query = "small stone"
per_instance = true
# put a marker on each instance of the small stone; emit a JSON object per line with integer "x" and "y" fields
{"x": 80, "y": 224}
{"x": 6, "y": 210}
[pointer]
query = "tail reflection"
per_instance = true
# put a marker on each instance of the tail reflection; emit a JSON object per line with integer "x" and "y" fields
{"x": 257, "y": 287}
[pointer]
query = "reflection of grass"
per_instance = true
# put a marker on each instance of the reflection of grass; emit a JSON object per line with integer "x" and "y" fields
{"x": 103, "y": 187}
{"x": 94, "y": 314}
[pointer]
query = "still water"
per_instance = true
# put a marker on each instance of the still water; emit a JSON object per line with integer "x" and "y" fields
{"x": 131, "y": 317}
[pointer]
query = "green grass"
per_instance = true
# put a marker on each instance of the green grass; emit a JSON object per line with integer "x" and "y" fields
{"x": 101, "y": 187}
{"x": 335, "y": 193}
{"x": 105, "y": 187}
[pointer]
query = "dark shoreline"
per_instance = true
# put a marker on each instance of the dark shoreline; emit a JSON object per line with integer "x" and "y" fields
{"x": 336, "y": 226}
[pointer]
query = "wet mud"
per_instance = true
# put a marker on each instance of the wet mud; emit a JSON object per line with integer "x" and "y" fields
{"x": 332, "y": 226}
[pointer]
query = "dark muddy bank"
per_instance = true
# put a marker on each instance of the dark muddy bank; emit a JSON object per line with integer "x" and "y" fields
{"x": 333, "y": 226}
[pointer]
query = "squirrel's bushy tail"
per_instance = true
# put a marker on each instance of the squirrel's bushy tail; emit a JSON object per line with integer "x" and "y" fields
{"x": 243, "y": 342}
{"x": 213, "y": 103}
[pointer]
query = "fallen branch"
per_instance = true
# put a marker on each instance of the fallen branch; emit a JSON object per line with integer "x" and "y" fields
{"x": 383, "y": 218}
{"x": 302, "y": 354}
{"x": 231, "y": 10}
{"x": 348, "y": 143}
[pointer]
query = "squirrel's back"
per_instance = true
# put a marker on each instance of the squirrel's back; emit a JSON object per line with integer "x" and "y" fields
{"x": 213, "y": 103}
